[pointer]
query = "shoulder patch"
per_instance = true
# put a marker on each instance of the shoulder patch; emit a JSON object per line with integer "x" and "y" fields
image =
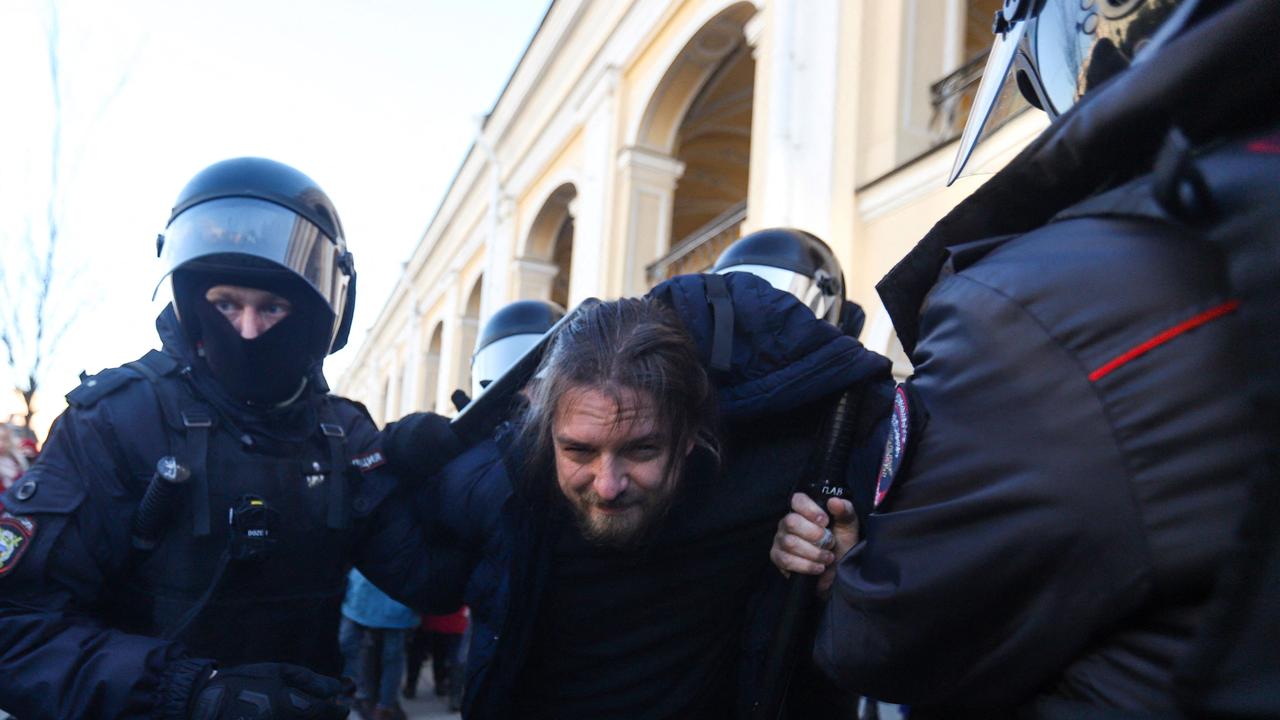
{"x": 369, "y": 461}
{"x": 902, "y": 431}
{"x": 95, "y": 387}
{"x": 16, "y": 532}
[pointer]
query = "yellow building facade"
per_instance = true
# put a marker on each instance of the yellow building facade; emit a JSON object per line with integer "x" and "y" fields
{"x": 638, "y": 138}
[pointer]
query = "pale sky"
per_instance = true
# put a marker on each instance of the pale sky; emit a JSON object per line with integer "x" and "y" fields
{"x": 376, "y": 100}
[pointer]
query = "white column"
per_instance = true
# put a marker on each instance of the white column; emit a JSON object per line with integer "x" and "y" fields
{"x": 650, "y": 178}
{"x": 391, "y": 406}
{"x": 413, "y": 363}
{"x": 450, "y": 341}
{"x": 793, "y": 135}
{"x": 499, "y": 254}
{"x": 533, "y": 278}
{"x": 598, "y": 115}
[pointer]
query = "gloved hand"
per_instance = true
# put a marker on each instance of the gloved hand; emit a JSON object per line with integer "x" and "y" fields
{"x": 266, "y": 691}
{"x": 420, "y": 444}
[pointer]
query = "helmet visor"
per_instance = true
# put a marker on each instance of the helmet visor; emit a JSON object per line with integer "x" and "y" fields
{"x": 491, "y": 361}
{"x": 807, "y": 289}
{"x": 1061, "y": 51}
{"x": 997, "y": 92}
{"x": 235, "y": 235}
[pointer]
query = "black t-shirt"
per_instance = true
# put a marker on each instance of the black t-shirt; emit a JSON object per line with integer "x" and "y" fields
{"x": 655, "y": 631}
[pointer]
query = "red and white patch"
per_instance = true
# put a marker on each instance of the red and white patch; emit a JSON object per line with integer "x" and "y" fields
{"x": 895, "y": 447}
{"x": 369, "y": 461}
{"x": 1266, "y": 146}
{"x": 16, "y": 532}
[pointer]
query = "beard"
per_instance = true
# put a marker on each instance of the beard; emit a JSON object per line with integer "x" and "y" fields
{"x": 624, "y": 522}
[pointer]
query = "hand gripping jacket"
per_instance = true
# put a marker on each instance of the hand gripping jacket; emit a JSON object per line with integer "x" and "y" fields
{"x": 250, "y": 566}
{"x": 1078, "y": 444}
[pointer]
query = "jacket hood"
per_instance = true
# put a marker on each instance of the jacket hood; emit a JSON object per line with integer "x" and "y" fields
{"x": 1219, "y": 78}
{"x": 781, "y": 356}
{"x": 173, "y": 339}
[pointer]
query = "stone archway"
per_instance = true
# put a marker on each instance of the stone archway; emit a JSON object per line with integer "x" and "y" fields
{"x": 468, "y": 330}
{"x": 688, "y": 167}
{"x": 545, "y": 265}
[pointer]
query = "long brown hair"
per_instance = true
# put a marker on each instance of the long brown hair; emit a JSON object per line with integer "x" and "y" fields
{"x": 631, "y": 344}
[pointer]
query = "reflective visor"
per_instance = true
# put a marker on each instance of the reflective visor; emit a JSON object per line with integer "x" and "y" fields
{"x": 805, "y": 288}
{"x": 233, "y": 235}
{"x": 997, "y": 76}
{"x": 1061, "y": 52}
{"x": 493, "y": 360}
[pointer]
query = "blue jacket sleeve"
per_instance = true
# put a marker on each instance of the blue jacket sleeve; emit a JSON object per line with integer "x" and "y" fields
{"x": 403, "y": 551}
{"x": 56, "y": 659}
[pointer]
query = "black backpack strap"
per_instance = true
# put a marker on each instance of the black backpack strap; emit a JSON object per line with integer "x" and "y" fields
{"x": 722, "y": 319}
{"x": 336, "y": 438}
{"x": 198, "y": 422}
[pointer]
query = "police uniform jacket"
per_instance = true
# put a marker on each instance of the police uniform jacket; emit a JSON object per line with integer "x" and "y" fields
{"x": 251, "y": 561}
{"x": 781, "y": 368}
{"x": 1069, "y": 463}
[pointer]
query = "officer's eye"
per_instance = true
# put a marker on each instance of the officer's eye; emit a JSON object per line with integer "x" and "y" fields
{"x": 277, "y": 309}
{"x": 226, "y": 307}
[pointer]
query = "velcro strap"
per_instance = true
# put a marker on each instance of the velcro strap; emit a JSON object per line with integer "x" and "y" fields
{"x": 722, "y": 322}
{"x": 198, "y": 422}
{"x": 339, "y": 511}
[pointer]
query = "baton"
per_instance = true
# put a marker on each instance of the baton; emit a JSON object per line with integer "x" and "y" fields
{"x": 156, "y": 506}
{"x": 824, "y": 483}
{"x": 489, "y": 408}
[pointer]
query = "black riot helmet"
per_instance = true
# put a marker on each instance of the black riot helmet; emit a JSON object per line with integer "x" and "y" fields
{"x": 1055, "y": 51}
{"x": 259, "y": 223}
{"x": 791, "y": 260}
{"x": 507, "y": 335}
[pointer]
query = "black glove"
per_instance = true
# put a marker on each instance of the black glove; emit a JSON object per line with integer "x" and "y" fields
{"x": 266, "y": 691}
{"x": 420, "y": 444}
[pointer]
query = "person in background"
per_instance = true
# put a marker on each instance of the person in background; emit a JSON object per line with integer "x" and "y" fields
{"x": 373, "y": 634}
{"x": 13, "y": 461}
{"x": 446, "y": 641}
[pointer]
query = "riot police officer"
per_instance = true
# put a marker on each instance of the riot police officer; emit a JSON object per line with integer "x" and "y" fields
{"x": 1093, "y": 404}
{"x": 508, "y": 334}
{"x": 181, "y": 548}
{"x": 793, "y": 261}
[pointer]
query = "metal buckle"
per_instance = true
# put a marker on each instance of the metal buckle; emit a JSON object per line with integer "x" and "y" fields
{"x": 332, "y": 430}
{"x": 195, "y": 419}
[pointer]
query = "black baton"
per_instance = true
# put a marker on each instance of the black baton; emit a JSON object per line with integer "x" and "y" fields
{"x": 827, "y": 482}
{"x": 157, "y": 504}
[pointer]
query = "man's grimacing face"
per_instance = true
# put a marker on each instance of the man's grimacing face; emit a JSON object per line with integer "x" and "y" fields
{"x": 611, "y": 463}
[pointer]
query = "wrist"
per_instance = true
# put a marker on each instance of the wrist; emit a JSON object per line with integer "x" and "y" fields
{"x": 180, "y": 684}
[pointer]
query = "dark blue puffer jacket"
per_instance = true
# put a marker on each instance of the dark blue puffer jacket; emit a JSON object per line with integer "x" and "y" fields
{"x": 783, "y": 362}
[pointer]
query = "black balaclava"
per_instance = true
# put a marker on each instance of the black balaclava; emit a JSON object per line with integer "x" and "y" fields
{"x": 270, "y": 368}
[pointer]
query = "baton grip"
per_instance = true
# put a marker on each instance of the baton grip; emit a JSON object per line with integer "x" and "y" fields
{"x": 157, "y": 502}
{"x": 826, "y": 482}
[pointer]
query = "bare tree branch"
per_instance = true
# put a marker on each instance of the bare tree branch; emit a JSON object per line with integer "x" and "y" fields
{"x": 35, "y": 315}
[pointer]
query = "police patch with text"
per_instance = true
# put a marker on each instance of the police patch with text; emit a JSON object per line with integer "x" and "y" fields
{"x": 369, "y": 461}
{"x": 906, "y": 421}
{"x": 15, "y": 536}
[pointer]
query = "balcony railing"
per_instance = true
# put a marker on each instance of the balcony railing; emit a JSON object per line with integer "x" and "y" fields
{"x": 699, "y": 250}
{"x": 951, "y": 97}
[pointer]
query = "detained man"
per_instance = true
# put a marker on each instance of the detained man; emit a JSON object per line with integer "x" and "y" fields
{"x": 622, "y": 523}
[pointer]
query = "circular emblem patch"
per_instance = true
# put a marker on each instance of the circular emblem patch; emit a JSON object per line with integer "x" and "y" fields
{"x": 15, "y": 536}
{"x": 895, "y": 447}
